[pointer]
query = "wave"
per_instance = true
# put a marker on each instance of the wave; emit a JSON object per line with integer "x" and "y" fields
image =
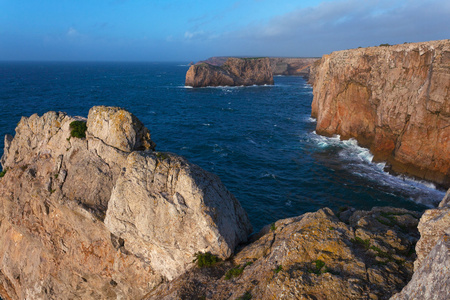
{"x": 359, "y": 161}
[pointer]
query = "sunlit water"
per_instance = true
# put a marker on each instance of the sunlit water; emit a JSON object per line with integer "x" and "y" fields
{"x": 259, "y": 140}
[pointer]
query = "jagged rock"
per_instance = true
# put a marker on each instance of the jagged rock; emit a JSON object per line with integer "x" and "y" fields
{"x": 168, "y": 209}
{"x": 54, "y": 197}
{"x": 432, "y": 279}
{"x": 313, "y": 256}
{"x": 234, "y": 72}
{"x": 394, "y": 100}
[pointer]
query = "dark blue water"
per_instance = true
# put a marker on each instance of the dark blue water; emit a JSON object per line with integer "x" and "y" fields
{"x": 259, "y": 140}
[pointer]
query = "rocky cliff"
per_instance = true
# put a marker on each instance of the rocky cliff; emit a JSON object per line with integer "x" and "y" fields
{"x": 431, "y": 278}
{"x": 297, "y": 66}
{"x": 320, "y": 255}
{"x": 88, "y": 209}
{"x": 395, "y": 100}
{"x": 234, "y": 72}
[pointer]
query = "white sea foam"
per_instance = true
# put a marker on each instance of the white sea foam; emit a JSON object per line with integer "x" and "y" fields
{"x": 358, "y": 161}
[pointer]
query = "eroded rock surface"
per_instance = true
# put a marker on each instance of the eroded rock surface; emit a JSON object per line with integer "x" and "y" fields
{"x": 56, "y": 193}
{"x": 431, "y": 278}
{"x": 395, "y": 100}
{"x": 168, "y": 209}
{"x": 314, "y": 256}
{"x": 234, "y": 72}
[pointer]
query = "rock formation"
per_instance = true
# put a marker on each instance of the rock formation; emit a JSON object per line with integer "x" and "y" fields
{"x": 58, "y": 189}
{"x": 361, "y": 255}
{"x": 431, "y": 278}
{"x": 395, "y": 100}
{"x": 298, "y": 66}
{"x": 234, "y": 72}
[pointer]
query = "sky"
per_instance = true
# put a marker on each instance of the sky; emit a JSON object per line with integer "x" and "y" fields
{"x": 176, "y": 30}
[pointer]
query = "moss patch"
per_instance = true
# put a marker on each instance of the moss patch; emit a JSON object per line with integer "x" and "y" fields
{"x": 78, "y": 129}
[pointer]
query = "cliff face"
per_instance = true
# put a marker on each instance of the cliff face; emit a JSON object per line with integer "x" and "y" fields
{"x": 431, "y": 279}
{"x": 234, "y": 72}
{"x": 103, "y": 216}
{"x": 292, "y": 66}
{"x": 395, "y": 100}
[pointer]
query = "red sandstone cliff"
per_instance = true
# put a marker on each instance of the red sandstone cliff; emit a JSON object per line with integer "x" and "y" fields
{"x": 395, "y": 100}
{"x": 234, "y": 72}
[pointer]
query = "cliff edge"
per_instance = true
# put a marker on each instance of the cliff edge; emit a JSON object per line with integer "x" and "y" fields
{"x": 88, "y": 209}
{"x": 234, "y": 72}
{"x": 395, "y": 100}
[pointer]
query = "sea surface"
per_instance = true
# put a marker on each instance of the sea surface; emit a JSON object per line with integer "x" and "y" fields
{"x": 260, "y": 140}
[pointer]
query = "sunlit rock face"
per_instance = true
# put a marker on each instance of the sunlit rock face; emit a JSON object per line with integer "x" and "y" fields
{"x": 393, "y": 99}
{"x": 58, "y": 189}
{"x": 234, "y": 72}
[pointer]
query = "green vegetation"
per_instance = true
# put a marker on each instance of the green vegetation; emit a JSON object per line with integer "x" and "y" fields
{"x": 360, "y": 241}
{"x": 273, "y": 227}
{"x": 78, "y": 129}
{"x": 384, "y": 45}
{"x": 236, "y": 271}
{"x": 278, "y": 269}
{"x": 246, "y": 296}
{"x": 205, "y": 259}
{"x": 331, "y": 228}
{"x": 320, "y": 267}
{"x": 2, "y": 173}
{"x": 161, "y": 155}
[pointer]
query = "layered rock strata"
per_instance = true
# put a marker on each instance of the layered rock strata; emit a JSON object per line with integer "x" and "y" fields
{"x": 395, "y": 100}
{"x": 234, "y": 72}
{"x": 55, "y": 242}
{"x": 353, "y": 255}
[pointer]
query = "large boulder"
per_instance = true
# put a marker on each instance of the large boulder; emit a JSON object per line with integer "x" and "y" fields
{"x": 168, "y": 209}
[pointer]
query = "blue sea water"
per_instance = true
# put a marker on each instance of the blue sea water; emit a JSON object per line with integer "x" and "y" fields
{"x": 260, "y": 140}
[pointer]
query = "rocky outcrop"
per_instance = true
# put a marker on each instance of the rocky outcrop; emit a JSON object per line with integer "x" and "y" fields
{"x": 297, "y": 66}
{"x": 395, "y": 100}
{"x": 431, "y": 278}
{"x": 234, "y": 72}
{"x": 58, "y": 189}
{"x": 313, "y": 256}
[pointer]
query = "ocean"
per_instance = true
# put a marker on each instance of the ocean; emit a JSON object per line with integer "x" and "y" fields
{"x": 260, "y": 140}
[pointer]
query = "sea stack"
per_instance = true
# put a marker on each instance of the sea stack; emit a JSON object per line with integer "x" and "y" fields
{"x": 393, "y": 99}
{"x": 234, "y": 72}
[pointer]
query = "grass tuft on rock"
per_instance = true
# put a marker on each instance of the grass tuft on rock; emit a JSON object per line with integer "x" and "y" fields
{"x": 205, "y": 259}
{"x": 78, "y": 129}
{"x": 2, "y": 173}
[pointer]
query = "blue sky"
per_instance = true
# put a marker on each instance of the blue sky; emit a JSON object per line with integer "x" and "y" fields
{"x": 174, "y": 30}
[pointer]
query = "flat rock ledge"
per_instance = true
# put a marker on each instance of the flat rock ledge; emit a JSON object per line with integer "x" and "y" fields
{"x": 102, "y": 215}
